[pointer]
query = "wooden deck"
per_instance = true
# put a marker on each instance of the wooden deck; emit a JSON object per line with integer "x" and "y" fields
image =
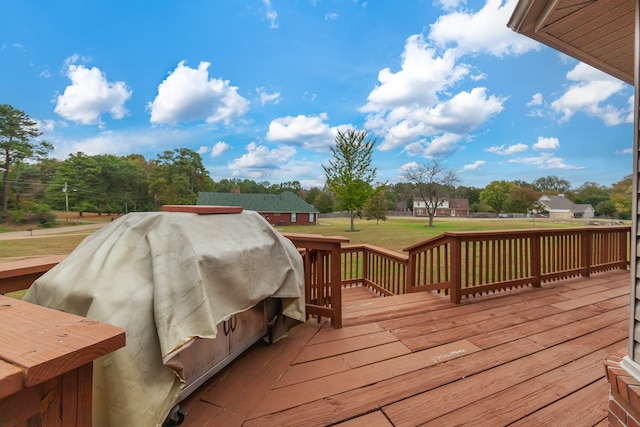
{"x": 533, "y": 357}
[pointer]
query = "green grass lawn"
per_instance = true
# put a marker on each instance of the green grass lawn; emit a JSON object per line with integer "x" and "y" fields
{"x": 397, "y": 233}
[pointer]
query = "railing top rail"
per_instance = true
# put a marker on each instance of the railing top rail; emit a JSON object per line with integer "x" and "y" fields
{"x": 375, "y": 249}
{"x": 513, "y": 232}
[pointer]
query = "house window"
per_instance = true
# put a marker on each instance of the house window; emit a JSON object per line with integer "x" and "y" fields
{"x": 294, "y": 217}
{"x": 312, "y": 218}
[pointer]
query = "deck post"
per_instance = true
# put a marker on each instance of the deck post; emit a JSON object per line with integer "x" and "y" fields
{"x": 587, "y": 237}
{"x": 336, "y": 286}
{"x": 456, "y": 269}
{"x": 536, "y": 264}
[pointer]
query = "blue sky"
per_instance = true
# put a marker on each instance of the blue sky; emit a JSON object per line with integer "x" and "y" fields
{"x": 260, "y": 87}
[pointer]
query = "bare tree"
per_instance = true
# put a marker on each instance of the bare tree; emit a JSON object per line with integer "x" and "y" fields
{"x": 432, "y": 184}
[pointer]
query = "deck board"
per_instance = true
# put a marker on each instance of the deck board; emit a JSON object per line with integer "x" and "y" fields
{"x": 526, "y": 357}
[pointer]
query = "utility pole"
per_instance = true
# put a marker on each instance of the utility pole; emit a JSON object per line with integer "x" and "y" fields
{"x": 65, "y": 190}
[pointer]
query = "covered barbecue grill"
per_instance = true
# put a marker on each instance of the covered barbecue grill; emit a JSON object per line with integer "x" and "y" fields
{"x": 180, "y": 284}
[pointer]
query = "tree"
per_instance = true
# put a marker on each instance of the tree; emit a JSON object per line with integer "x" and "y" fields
{"x": 376, "y": 207}
{"x": 589, "y": 193}
{"x": 496, "y": 194}
{"x": 323, "y": 202}
{"x": 551, "y": 185}
{"x": 432, "y": 183}
{"x": 621, "y": 196}
{"x": 522, "y": 199}
{"x": 17, "y": 132}
{"x": 178, "y": 177}
{"x": 311, "y": 195}
{"x": 349, "y": 174}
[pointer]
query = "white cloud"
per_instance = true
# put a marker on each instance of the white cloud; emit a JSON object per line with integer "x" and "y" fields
{"x": 90, "y": 96}
{"x": 625, "y": 151}
{"x": 305, "y": 131}
{"x": 484, "y": 31}
{"x": 546, "y": 161}
{"x": 219, "y": 148}
{"x": 474, "y": 166}
{"x": 459, "y": 115}
{"x": 202, "y": 150}
{"x": 188, "y": 94}
{"x": 271, "y": 14}
{"x": 414, "y": 107}
{"x": 266, "y": 98}
{"x": 536, "y": 99}
{"x": 512, "y": 149}
{"x": 331, "y": 16}
{"x": 546, "y": 143}
{"x": 589, "y": 94}
{"x": 260, "y": 161}
{"x": 422, "y": 76}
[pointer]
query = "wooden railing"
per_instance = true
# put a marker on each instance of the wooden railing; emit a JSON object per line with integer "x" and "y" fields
{"x": 455, "y": 264}
{"x": 323, "y": 286}
{"x": 381, "y": 270}
{"x": 470, "y": 263}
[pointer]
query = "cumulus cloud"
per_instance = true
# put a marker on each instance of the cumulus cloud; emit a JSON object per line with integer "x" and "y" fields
{"x": 188, "y": 94}
{"x": 546, "y": 161}
{"x": 266, "y": 98}
{"x": 484, "y": 31}
{"x": 91, "y": 95}
{"x": 512, "y": 149}
{"x": 417, "y": 108}
{"x": 219, "y": 148}
{"x": 547, "y": 143}
{"x": 310, "y": 132}
{"x": 259, "y": 161}
{"x": 331, "y": 16}
{"x": 589, "y": 94}
{"x": 423, "y": 74}
{"x": 474, "y": 166}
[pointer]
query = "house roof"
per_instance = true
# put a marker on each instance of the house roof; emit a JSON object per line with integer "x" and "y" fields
{"x": 284, "y": 202}
{"x": 561, "y": 203}
{"x": 597, "y": 32}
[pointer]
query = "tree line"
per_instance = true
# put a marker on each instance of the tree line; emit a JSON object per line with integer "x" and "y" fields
{"x": 33, "y": 184}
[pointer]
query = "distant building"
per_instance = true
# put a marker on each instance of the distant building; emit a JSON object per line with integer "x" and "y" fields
{"x": 559, "y": 207}
{"x": 279, "y": 209}
{"x": 449, "y": 207}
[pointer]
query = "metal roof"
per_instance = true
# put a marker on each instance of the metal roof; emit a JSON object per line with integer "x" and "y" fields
{"x": 284, "y": 202}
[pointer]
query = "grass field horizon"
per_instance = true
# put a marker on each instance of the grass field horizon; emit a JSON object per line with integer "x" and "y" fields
{"x": 396, "y": 233}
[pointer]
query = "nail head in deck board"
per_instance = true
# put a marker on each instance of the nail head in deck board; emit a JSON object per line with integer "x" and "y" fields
{"x": 46, "y": 343}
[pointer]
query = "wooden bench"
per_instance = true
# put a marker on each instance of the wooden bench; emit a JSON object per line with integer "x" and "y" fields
{"x": 20, "y": 274}
{"x": 46, "y": 364}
